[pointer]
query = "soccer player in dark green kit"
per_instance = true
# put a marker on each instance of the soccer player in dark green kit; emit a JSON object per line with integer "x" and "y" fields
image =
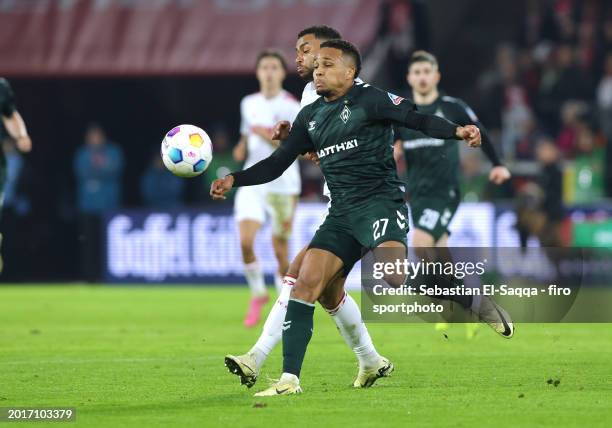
{"x": 432, "y": 165}
{"x": 13, "y": 124}
{"x": 432, "y": 181}
{"x": 350, "y": 129}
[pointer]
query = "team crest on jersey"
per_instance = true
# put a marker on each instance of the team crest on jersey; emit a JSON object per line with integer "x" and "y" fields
{"x": 395, "y": 99}
{"x": 345, "y": 114}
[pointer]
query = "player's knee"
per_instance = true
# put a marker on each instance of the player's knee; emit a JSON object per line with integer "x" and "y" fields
{"x": 429, "y": 254}
{"x": 280, "y": 251}
{"x": 395, "y": 280}
{"x": 294, "y": 266}
{"x": 307, "y": 286}
{"x": 331, "y": 300}
{"x": 247, "y": 248}
{"x": 422, "y": 239}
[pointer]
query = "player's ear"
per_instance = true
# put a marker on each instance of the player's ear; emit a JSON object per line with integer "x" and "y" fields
{"x": 350, "y": 72}
{"x": 438, "y": 76}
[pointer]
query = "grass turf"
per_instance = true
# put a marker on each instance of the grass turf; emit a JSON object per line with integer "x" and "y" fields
{"x": 154, "y": 357}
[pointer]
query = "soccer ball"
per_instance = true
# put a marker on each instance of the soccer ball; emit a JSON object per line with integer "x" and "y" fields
{"x": 186, "y": 151}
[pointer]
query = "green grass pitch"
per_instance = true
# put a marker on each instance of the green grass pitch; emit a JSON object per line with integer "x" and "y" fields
{"x": 153, "y": 357}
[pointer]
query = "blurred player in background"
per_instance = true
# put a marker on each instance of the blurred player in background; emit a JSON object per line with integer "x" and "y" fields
{"x": 432, "y": 165}
{"x": 344, "y": 311}
{"x": 259, "y": 113}
{"x": 13, "y": 124}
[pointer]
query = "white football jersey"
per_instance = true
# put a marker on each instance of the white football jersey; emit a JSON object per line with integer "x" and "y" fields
{"x": 309, "y": 96}
{"x": 257, "y": 110}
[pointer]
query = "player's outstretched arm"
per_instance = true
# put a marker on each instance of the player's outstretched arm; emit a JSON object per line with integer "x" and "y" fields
{"x": 463, "y": 114}
{"x": 402, "y": 112}
{"x": 262, "y": 172}
{"x": 239, "y": 152}
{"x": 499, "y": 173}
{"x": 297, "y": 143}
{"x": 437, "y": 127}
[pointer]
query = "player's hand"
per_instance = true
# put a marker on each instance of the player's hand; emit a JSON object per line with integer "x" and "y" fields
{"x": 239, "y": 152}
{"x": 312, "y": 157}
{"x": 471, "y": 134}
{"x": 24, "y": 144}
{"x": 499, "y": 174}
{"x": 281, "y": 130}
{"x": 221, "y": 186}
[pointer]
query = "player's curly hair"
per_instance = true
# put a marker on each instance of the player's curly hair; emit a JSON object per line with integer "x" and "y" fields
{"x": 347, "y": 48}
{"x": 271, "y": 53}
{"x": 321, "y": 32}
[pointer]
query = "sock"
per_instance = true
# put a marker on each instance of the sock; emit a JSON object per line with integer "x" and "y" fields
{"x": 297, "y": 331}
{"x": 464, "y": 301}
{"x": 272, "y": 329}
{"x": 347, "y": 317}
{"x": 476, "y": 303}
{"x": 255, "y": 279}
{"x": 278, "y": 282}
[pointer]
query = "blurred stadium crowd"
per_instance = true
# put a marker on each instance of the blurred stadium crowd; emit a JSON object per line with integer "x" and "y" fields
{"x": 544, "y": 92}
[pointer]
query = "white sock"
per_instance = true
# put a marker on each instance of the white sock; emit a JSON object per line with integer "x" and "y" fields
{"x": 347, "y": 317}
{"x": 255, "y": 279}
{"x": 278, "y": 282}
{"x": 272, "y": 330}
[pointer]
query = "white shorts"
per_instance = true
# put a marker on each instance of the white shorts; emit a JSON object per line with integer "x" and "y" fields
{"x": 255, "y": 203}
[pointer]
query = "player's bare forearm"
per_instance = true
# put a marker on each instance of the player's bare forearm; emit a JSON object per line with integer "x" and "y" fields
{"x": 16, "y": 128}
{"x": 240, "y": 150}
{"x": 266, "y": 134}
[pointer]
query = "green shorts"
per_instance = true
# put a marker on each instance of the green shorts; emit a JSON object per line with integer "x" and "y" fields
{"x": 350, "y": 236}
{"x": 433, "y": 214}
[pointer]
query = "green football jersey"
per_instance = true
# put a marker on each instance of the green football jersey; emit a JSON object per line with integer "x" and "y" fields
{"x": 432, "y": 165}
{"x": 353, "y": 137}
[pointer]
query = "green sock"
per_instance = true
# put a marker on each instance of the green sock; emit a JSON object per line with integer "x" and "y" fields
{"x": 297, "y": 331}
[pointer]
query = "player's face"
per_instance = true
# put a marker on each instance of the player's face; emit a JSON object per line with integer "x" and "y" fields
{"x": 333, "y": 73}
{"x": 423, "y": 77}
{"x": 306, "y": 50}
{"x": 270, "y": 72}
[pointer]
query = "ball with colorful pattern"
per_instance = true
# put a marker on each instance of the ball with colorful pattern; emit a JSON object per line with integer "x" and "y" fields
{"x": 186, "y": 151}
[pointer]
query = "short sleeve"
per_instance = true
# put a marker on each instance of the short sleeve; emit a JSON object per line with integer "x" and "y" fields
{"x": 7, "y": 98}
{"x": 384, "y": 105}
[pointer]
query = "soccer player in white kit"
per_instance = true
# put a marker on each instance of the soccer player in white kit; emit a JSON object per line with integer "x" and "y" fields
{"x": 259, "y": 113}
{"x": 345, "y": 313}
